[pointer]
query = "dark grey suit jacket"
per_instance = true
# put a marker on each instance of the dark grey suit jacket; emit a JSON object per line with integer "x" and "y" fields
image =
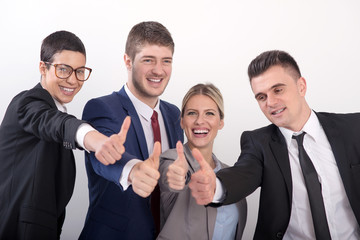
{"x": 264, "y": 162}
{"x": 181, "y": 216}
{"x": 37, "y": 169}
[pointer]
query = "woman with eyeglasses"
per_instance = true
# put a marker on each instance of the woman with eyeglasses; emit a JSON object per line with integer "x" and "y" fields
{"x": 37, "y": 136}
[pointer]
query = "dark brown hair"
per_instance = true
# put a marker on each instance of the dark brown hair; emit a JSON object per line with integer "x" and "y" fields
{"x": 273, "y": 58}
{"x": 153, "y": 33}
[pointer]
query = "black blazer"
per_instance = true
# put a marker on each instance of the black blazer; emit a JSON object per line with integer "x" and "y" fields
{"x": 264, "y": 162}
{"x": 37, "y": 168}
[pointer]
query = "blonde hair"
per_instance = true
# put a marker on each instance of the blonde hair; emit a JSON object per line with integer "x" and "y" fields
{"x": 208, "y": 90}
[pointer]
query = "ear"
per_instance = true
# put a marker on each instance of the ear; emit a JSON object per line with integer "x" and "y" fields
{"x": 221, "y": 124}
{"x": 42, "y": 68}
{"x": 128, "y": 62}
{"x": 181, "y": 123}
{"x": 301, "y": 83}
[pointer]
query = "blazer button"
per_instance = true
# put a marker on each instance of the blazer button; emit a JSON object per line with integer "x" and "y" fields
{"x": 279, "y": 235}
{"x": 67, "y": 145}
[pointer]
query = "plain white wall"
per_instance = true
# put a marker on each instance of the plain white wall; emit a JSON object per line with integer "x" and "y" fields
{"x": 214, "y": 42}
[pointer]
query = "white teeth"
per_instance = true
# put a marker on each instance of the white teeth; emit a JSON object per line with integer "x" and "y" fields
{"x": 279, "y": 111}
{"x": 67, "y": 89}
{"x": 154, "y": 80}
{"x": 201, "y": 131}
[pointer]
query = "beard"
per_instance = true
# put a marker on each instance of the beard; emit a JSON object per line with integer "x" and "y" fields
{"x": 142, "y": 89}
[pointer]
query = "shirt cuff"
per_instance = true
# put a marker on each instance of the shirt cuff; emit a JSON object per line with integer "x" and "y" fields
{"x": 219, "y": 192}
{"x": 82, "y": 130}
{"x": 124, "y": 178}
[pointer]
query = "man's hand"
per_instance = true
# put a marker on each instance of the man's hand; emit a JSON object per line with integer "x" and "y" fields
{"x": 177, "y": 171}
{"x": 108, "y": 150}
{"x": 203, "y": 182}
{"x": 144, "y": 175}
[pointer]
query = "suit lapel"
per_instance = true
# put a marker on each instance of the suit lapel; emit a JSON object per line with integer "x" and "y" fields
{"x": 279, "y": 150}
{"x": 335, "y": 139}
{"x": 169, "y": 125}
{"x": 135, "y": 121}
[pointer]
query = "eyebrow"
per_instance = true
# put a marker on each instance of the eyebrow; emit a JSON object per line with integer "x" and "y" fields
{"x": 272, "y": 87}
{"x": 208, "y": 109}
{"x": 150, "y": 56}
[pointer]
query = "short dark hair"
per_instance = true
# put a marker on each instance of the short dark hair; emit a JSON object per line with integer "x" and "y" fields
{"x": 273, "y": 58}
{"x": 59, "y": 41}
{"x": 153, "y": 33}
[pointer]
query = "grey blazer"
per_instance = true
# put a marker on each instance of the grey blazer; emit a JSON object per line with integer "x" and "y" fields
{"x": 180, "y": 216}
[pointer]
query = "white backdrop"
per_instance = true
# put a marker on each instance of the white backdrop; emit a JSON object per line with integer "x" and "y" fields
{"x": 214, "y": 42}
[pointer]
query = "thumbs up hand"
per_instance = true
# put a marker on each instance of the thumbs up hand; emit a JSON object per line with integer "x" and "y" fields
{"x": 108, "y": 150}
{"x": 144, "y": 175}
{"x": 203, "y": 182}
{"x": 176, "y": 174}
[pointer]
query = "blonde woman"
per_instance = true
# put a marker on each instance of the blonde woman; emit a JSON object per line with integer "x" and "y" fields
{"x": 202, "y": 115}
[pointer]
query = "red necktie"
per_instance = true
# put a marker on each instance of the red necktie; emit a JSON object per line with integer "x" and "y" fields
{"x": 155, "y": 126}
{"x": 155, "y": 196}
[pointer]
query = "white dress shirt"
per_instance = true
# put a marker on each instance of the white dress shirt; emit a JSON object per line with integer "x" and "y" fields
{"x": 340, "y": 217}
{"x": 144, "y": 113}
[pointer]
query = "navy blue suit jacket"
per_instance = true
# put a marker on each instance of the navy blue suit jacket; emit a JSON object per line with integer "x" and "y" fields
{"x": 114, "y": 213}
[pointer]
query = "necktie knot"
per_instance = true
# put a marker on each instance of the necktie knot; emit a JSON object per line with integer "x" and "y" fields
{"x": 299, "y": 138}
{"x": 154, "y": 117}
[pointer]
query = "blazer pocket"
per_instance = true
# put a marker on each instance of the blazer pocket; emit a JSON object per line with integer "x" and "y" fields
{"x": 355, "y": 167}
{"x": 36, "y": 224}
{"x": 31, "y": 215}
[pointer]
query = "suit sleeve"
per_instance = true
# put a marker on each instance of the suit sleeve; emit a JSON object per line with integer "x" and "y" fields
{"x": 101, "y": 117}
{"x": 39, "y": 116}
{"x": 246, "y": 175}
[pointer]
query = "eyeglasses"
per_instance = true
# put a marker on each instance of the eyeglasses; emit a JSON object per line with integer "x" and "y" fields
{"x": 64, "y": 71}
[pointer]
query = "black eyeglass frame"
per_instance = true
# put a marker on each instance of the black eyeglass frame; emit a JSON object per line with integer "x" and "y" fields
{"x": 72, "y": 70}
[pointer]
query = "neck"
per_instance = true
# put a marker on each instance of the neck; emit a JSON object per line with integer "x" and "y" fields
{"x": 207, "y": 154}
{"x": 303, "y": 119}
{"x": 150, "y": 101}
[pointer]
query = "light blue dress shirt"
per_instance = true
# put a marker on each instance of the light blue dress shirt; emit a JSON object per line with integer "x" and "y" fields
{"x": 227, "y": 218}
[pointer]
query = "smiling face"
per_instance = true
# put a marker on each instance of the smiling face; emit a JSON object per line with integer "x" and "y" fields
{"x": 201, "y": 122}
{"x": 282, "y": 98}
{"x": 63, "y": 90}
{"x": 149, "y": 72}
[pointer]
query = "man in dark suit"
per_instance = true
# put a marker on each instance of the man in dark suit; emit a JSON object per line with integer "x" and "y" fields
{"x": 119, "y": 194}
{"x": 270, "y": 159}
{"x": 37, "y": 169}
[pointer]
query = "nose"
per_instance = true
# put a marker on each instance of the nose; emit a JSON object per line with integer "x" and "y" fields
{"x": 72, "y": 79}
{"x": 271, "y": 100}
{"x": 158, "y": 69}
{"x": 200, "y": 119}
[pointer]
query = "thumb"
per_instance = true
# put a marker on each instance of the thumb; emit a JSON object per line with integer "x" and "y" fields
{"x": 200, "y": 159}
{"x": 180, "y": 152}
{"x": 154, "y": 158}
{"x": 124, "y": 129}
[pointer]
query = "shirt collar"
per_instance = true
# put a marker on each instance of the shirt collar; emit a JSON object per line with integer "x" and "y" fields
{"x": 141, "y": 108}
{"x": 312, "y": 128}
{"x": 217, "y": 164}
{"x": 59, "y": 106}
